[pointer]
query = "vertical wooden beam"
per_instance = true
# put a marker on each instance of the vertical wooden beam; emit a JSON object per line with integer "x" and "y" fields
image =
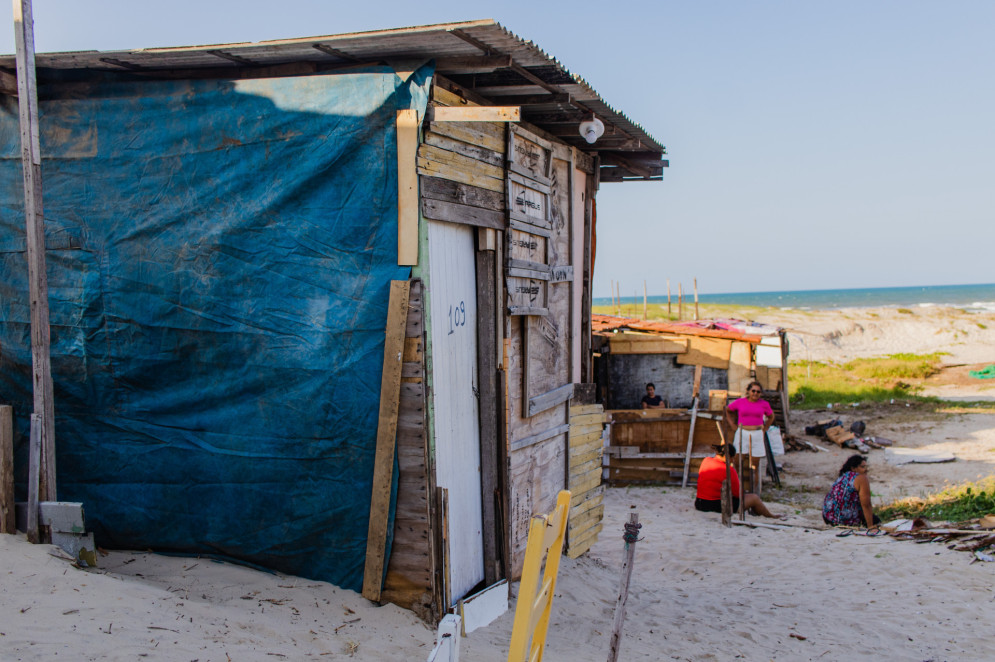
{"x": 6, "y": 469}
{"x": 407, "y": 187}
{"x": 488, "y": 377}
{"x": 34, "y": 471}
{"x": 383, "y": 464}
{"x": 27, "y": 98}
{"x": 696, "y": 299}
{"x": 628, "y": 557}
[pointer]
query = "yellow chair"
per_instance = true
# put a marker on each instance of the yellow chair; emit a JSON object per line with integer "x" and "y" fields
{"x": 546, "y": 533}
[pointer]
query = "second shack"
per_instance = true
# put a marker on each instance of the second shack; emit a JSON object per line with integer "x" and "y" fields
{"x": 696, "y": 368}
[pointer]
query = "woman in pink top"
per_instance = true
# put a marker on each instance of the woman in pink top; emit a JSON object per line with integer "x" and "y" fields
{"x": 751, "y": 416}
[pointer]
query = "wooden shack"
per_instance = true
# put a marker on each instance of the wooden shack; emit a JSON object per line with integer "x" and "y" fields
{"x": 696, "y": 367}
{"x": 488, "y": 313}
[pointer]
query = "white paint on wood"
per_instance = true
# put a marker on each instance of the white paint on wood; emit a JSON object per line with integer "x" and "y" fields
{"x": 448, "y": 640}
{"x": 453, "y": 306}
{"x": 483, "y": 608}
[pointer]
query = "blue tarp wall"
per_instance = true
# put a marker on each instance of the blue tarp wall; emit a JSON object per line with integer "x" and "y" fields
{"x": 219, "y": 256}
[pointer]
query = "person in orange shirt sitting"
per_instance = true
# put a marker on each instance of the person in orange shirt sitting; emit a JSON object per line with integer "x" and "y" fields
{"x": 711, "y": 473}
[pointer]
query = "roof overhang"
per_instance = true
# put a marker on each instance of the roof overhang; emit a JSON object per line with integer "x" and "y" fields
{"x": 483, "y": 57}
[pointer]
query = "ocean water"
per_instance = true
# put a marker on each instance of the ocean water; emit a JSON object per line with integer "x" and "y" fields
{"x": 973, "y": 298}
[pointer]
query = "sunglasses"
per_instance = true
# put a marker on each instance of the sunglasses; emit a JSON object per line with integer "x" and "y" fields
{"x": 755, "y": 390}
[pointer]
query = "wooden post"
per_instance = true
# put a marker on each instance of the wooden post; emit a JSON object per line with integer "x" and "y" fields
{"x": 645, "y": 311}
{"x": 27, "y": 97}
{"x": 680, "y": 301}
{"x": 669, "y": 312}
{"x": 618, "y": 292}
{"x": 34, "y": 472}
{"x": 611, "y": 285}
{"x": 727, "y": 483}
{"x": 631, "y": 538}
{"x": 383, "y": 463}
{"x": 6, "y": 469}
{"x": 695, "y": 392}
{"x": 742, "y": 493}
{"x": 696, "y": 299}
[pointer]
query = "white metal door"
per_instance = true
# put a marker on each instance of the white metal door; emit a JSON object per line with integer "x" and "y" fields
{"x": 453, "y": 302}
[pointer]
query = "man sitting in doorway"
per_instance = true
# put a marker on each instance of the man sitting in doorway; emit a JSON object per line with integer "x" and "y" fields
{"x": 651, "y": 400}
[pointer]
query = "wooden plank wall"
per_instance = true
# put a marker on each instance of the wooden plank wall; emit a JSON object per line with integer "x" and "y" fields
{"x": 538, "y": 467}
{"x": 584, "y": 480}
{"x": 411, "y": 569}
{"x": 651, "y": 448}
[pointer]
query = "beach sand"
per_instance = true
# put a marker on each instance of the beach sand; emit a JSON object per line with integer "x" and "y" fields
{"x": 699, "y": 591}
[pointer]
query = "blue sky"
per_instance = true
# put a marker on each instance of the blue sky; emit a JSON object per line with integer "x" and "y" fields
{"x": 813, "y": 145}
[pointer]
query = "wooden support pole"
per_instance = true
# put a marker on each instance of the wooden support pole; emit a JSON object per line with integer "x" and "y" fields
{"x": 631, "y": 538}
{"x": 680, "y": 301}
{"x": 727, "y": 483}
{"x": 611, "y": 285}
{"x": 383, "y": 463}
{"x": 27, "y": 97}
{"x": 645, "y": 307}
{"x": 669, "y": 312}
{"x": 34, "y": 473}
{"x": 696, "y": 299}
{"x": 6, "y": 469}
{"x": 695, "y": 391}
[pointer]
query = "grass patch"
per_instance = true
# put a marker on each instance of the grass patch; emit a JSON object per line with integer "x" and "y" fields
{"x": 955, "y": 504}
{"x": 981, "y": 326}
{"x": 815, "y": 384}
{"x": 904, "y": 311}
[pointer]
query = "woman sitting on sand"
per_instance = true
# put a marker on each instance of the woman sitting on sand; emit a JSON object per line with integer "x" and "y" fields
{"x": 849, "y": 500}
{"x": 711, "y": 473}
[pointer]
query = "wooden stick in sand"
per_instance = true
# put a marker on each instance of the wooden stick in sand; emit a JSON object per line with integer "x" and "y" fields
{"x": 742, "y": 499}
{"x": 668, "y": 299}
{"x": 631, "y": 537}
{"x": 727, "y": 483}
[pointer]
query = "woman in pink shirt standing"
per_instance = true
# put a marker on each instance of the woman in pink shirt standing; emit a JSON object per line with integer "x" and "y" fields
{"x": 751, "y": 416}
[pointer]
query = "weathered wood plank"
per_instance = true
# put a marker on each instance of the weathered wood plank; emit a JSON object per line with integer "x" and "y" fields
{"x": 581, "y": 459}
{"x": 550, "y": 399}
{"x": 491, "y": 450}
{"x": 707, "y": 352}
{"x": 481, "y": 134}
{"x": 542, "y": 436}
{"x": 632, "y": 344}
{"x": 469, "y": 150}
{"x": 435, "y": 188}
{"x": 458, "y": 174}
{"x": 450, "y": 212}
{"x": 407, "y": 187}
{"x": 390, "y": 395}
{"x": 7, "y": 469}
{"x": 475, "y": 113}
{"x": 580, "y": 410}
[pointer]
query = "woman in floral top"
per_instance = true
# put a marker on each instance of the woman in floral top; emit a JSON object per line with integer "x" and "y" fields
{"x": 849, "y": 500}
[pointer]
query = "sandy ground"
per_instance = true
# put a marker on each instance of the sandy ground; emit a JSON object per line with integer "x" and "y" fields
{"x": 699, "y": 591}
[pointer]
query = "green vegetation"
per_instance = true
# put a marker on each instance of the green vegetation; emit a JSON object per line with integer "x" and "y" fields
{"x": 954, "y": 504}
{"x": 814, "y": 384}
{"x": 981, "y": 326}
{"x": 657, "y": 311}
{"x": 904, "y": 311}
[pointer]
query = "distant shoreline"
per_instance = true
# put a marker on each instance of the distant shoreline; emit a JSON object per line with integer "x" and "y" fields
{"x": 972, "y": 298}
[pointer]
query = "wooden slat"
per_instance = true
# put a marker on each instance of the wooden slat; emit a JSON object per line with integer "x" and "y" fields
{"x": 455, "y": 213}
{"x": 550, "y": 399}
{"x": 457, "y": 173}
{"x": 707, "y": 352}
{"x": 580, "y": 410}
{"x": 542, "y": 436}
{"x": 475, "y": 113}
{"x": 407, "y": 187}
{"x": 431, "y": 154}
{"x": 469, "y": 150}
{"x": 435, "y": 188}
{"x": 481, "y": 134}
{"x": 7, "y": 469}
{"x": 383, "y": 464}
{"x": 580, "y": 459}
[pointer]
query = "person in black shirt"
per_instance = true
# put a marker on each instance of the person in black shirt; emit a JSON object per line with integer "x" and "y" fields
{"x": 651, "y": 400}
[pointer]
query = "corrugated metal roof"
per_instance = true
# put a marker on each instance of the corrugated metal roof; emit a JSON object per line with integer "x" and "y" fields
{"x": 465, "y": 53}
